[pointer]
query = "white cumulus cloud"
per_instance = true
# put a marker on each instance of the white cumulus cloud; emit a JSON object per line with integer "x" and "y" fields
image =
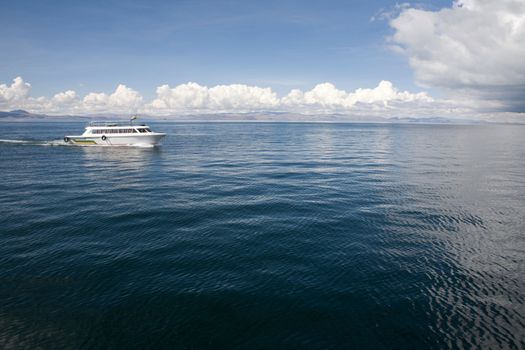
{"x": 383, "y": 100}
{"x": 123, "y": 99}
{"x": 327, "y": 96}
{"x": 17, "y": 91}
{"x": 475, "y": 48}
{"x": 64, "y": 98}
{"x": 235, "y": 97}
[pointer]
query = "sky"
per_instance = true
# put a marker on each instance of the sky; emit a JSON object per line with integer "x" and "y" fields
{"x": 375, "y": 57}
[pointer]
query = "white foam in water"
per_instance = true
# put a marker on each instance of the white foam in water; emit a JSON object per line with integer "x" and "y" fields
{"x": 56, "y": 143}
{"x": 17, "y": 141}
{"x": 62, "y": 143}
{"x": 36, "y": 142}
{"x": 143, "y": 146}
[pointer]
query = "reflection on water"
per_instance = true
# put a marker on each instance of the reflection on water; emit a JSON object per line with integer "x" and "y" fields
{"x": 267, "y": 235}
{"x": 120, "y": 156}
{"x": 130, "y": 165}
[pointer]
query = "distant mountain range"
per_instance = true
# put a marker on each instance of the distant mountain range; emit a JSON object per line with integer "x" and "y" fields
{"x": 21, "y": 114}
{"x": 15, "y": 113}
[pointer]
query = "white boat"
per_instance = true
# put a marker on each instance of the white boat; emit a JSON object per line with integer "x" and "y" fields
{"x": 116, "y": 133}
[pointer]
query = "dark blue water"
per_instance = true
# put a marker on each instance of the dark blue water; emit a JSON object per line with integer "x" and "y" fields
{"x": 264, "y": 236}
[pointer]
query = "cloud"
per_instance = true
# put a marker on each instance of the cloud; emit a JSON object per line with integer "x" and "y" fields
{"x": 474, "y": 49}
{"x": 389, "y": 13}
{"x": 16, "y": 92}
{"x": 123, "y": 99}
{"x": 383, "y": 100}
{"x": 323, "y": 97}
{"x": 327, "y": 96}
{"x": 235, "y": 97}
{"x": 65, "y": 98}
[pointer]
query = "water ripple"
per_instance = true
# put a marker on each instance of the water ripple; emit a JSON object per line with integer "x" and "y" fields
{"x": 265, "y": 235}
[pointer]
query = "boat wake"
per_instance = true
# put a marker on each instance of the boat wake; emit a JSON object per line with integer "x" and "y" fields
{"x": 35, "y": 142}
{"x": 62, "y": 143}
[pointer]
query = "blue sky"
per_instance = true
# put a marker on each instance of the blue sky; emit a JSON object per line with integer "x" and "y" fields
{"x": 454, "y": 58}
{"x": 95, "y": 45}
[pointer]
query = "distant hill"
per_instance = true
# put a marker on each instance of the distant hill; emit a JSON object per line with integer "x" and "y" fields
{"x": 19, "y": 111}
{"x": 15, "y": 113}
{"x": 19, "y": 114}
{"x": 435, "y": 120}
{"x": 269, "y": 116}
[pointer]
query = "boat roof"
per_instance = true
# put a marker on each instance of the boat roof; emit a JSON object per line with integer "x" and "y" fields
{"x": 117, "y": 123}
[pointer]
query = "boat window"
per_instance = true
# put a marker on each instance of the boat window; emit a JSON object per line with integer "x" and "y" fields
{"x": 120, "y": 131}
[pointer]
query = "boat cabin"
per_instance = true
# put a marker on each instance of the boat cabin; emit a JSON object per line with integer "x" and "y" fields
{"x": 99, "y": 128}
{"x": 119, "y": 130}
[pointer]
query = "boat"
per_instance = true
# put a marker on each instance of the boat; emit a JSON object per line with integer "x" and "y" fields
{"x": 116, "y": 133}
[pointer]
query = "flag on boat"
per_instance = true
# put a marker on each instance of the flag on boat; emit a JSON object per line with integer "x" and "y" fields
{"x": 134, "y": 117}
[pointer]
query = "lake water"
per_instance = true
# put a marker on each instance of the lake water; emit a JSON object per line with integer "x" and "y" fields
{"x": 264, "y": 236}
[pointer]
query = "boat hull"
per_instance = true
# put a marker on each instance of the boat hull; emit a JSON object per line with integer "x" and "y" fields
{"x": 144, "y": 140}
